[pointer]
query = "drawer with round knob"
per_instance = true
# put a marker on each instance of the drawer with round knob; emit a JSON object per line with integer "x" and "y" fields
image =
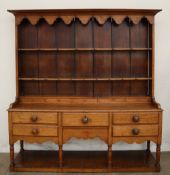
{"x": 35, "y": 117}
{"x": 85, "y": 119}
{"x": 134, "y": 130}
{"x": 135, "y": 118}
{"x": 35, "y": 130}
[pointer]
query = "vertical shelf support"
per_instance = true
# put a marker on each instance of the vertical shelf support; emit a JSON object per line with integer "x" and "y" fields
{"x": 110, "y": 141}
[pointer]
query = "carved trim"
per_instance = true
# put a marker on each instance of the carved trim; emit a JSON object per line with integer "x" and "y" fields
{"x": 67, "y": 19}
{"x": 134, "y": 140}
{"x": 66, "y": 139}
{"x": 50, "y": 19}
{"x": 36, "y": 140}
{"x": 135, "y": 19}
{"x": 119, "y": 18}
{"x": 34, "y": 19}
{"x": 85, "y": 19}
{"x": 101, "y": 19}
{"x": 157, "y": 104}
{"x": 150, "y": 19}
{"x": 19, "y": 19}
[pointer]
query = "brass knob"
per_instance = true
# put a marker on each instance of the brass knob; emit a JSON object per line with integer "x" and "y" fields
{"x": 85, "y": 119}
{"x": 34, "y": 118}
{"x": 135, "y": 131}
{"x": 136, "y": 118}
{"x": 35, "y": 131}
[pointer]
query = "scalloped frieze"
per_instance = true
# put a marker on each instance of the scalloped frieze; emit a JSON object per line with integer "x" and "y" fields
{"x": 84, "y": 19}
{"x": 101, "y": 19}
{"x": 131, "y": 140}
{"x": 66, "y": 139}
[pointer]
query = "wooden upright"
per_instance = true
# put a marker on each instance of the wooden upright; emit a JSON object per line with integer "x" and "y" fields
{"x": 85, "y": 74}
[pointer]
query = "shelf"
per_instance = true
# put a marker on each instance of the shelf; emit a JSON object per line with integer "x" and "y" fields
{"x": 83, "y": 79}
{"x": 84, "y": 161}
{"x": 84, "y": 49}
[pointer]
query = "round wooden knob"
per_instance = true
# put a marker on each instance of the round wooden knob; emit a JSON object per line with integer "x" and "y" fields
{"x": 35, "y": 131}
{"x": 136, "y": 118}
{"x": 85, "y": 119}
{"x": 34, "y": 118}
{"x": 135, "y": 131}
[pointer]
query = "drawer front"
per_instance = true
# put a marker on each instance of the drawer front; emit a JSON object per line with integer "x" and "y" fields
{"x": 85, "y": 119}
{"x": 131, "y": 118}
{"x": 35, "y": 117}
{"x": 135, "y": 130}
{"x": 85, "y": 133}
{"x": 35, "y": 130}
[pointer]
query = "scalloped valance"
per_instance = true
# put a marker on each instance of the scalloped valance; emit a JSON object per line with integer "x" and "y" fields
{"x": 84, "y": 19}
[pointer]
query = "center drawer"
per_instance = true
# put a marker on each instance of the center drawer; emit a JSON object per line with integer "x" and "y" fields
{"x": 35, "y": 130}
{"x": 35, "y": 117}
{"x": 85, "y": 119}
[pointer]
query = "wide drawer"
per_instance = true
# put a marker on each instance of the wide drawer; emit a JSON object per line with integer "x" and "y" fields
{"x": 135, "y": 130}
{"x": 35, "y": 130}
{"x": 85, "y": 119}
{"x": 35, "y": 117}
{"x": 135, "y": 117}
{"x": 85, "y": 133}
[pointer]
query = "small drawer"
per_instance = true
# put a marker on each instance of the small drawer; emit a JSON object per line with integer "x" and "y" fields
{"x": 35, "y": 130}
{"x": 131, "y": 118}
{"x": 85, "y": 119}
{"x": 135, "y": 130}
{"x": 35, "y": 117}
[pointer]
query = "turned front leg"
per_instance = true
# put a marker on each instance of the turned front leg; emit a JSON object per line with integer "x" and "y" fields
{"x": 158, "y": 149}
{"x": 11, "y": 155}
{"x": 110, "y": 155}
{"x": 61, "y": 154}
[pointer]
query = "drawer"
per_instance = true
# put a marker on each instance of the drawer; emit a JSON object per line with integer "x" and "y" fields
{"x": 135, "y": 130}
{"x": 35, "y": 130}
{"x": 85, "y": 133}
{"x": 131, "y": 118}
{"x": 85, "y": 119}
{"x": 35, "y": 117}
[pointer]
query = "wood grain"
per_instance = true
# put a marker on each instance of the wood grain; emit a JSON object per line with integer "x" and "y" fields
{"x": 40, "y": 130}
{"x": 94, "y": 119}
{"x": 128, "y": 118}
{"x": 127, "y": 130}
{"x": 35, "y": 117}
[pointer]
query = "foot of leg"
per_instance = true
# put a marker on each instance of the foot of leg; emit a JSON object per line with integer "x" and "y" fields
{"x": 11, "y": 155}
{"x": 109, "y": 155}
{"x": 60, "y": 155}
{"x": 158, "y": 149}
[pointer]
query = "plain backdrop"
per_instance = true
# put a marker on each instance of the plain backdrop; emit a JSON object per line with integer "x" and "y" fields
{"x": 7, "y": 63}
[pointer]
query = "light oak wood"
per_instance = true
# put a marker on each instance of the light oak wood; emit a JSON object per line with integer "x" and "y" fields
{"x": 85, "y": 119}
{"x": 141, "y": 118}
{"x": 35, "y": 117}
{"x": 142, "y": 130}
{"x": 85, "y": 74}
{"x": 35, "y": 130}
{"x": 85, "y": 133}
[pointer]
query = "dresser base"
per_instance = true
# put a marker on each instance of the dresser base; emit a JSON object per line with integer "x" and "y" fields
{"x": 84, "y": 161}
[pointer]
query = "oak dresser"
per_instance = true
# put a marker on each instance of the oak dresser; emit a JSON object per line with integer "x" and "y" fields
{"x": 85, "y": 74}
